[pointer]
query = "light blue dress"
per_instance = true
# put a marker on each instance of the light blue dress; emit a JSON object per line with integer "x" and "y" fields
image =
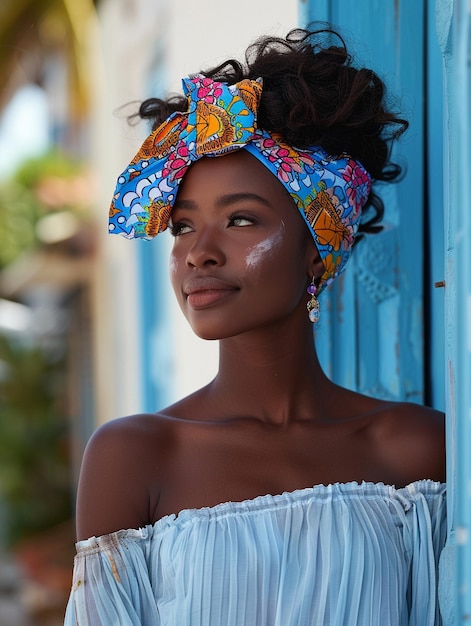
{"x": 339, "y": 555}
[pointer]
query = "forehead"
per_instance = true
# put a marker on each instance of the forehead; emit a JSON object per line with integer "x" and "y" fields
{"x": 233, "y": 173}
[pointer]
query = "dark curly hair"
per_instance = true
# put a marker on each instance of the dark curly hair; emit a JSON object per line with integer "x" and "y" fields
{"x": 313, "y": 96}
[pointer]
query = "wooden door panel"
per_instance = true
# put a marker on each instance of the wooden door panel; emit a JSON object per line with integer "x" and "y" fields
{"x": 371, "y": 334}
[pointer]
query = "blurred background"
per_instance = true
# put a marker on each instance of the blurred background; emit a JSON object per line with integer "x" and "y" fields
{"x": 81, "y": 315}
{"x": 89, "y": 330}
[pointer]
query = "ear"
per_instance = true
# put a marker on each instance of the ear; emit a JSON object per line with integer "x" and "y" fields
{"x": 318, "y": 267}
{"x": 315, "y": 264}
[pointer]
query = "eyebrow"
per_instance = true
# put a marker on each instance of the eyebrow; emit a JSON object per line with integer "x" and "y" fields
{"x": 225, "y": 200}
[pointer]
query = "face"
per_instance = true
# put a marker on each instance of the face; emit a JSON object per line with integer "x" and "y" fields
{"x": 242, "y": 255}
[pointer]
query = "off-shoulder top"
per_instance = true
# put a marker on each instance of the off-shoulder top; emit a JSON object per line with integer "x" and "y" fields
{"x": 339, "y": 555}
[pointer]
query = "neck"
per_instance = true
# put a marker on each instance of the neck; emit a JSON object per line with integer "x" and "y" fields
{"x": 271, "y": 374}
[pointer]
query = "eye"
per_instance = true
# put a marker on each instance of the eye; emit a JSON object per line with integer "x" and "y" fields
{"x": 241, "y": 220}
{"x": 180, "y": 228}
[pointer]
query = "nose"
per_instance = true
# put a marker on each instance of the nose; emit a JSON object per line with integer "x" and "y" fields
{"x": 205, "y": 249}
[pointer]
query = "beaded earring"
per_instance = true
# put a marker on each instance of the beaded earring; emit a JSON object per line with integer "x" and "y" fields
{"x": 313, "y": 304}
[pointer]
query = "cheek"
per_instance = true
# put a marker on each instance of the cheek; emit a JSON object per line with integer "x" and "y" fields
{"x": 173, "y": 267}
{"x": 265, "y": 249}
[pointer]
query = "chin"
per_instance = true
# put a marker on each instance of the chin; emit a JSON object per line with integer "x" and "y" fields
{"x": 213, "y": 325}
{"x": 216, "y": 330}
{"x": 211, "y": 334}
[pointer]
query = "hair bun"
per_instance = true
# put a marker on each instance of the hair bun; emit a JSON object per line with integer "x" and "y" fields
{"x": 314, "y": 96}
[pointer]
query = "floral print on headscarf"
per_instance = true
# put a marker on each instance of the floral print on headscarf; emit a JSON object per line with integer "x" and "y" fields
{"x": 329, "y": 190}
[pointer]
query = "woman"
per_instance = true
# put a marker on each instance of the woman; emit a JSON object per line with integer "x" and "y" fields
{"x": 271, "y": 496}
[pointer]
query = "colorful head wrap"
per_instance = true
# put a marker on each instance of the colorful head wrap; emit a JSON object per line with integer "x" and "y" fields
{"x": 329, "y": 191}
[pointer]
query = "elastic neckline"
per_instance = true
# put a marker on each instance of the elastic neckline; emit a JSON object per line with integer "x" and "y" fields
{"x": 268, "y": 502}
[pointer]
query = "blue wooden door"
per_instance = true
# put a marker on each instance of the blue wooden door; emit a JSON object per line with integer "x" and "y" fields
{"x": 423, "y": 315}
{"x": 454, "y": 27}
{"x": 378, "y": 335}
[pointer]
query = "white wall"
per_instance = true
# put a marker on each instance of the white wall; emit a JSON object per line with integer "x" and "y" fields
{"x": 203, "y": 33}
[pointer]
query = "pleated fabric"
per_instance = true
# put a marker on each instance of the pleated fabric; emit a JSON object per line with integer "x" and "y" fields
{"x": 339, "y": 555}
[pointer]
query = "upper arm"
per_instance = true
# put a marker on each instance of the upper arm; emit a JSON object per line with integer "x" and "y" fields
{"x": 112, "y": 490}
{"x": 413, "y": 441}
{"x": 427, "y": 444}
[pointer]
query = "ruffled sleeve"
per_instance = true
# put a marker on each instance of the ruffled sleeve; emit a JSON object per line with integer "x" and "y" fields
{"x": 428, "y": 530}
{"x": 111, "y": 582}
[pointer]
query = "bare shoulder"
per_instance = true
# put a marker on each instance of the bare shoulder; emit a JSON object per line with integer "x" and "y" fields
{"x": 113, "y": 490}
{"x": 411, "y": 440}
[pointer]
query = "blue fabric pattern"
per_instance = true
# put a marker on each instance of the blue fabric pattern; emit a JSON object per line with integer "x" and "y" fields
{"x": 329, "y": 190}
{"x": 339, "y": 555}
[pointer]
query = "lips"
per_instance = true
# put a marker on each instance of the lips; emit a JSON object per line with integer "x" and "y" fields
{"x": 204, "y": 291}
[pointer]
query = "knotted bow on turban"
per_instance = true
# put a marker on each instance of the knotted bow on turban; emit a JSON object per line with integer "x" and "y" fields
{"x": 329, "y": 191}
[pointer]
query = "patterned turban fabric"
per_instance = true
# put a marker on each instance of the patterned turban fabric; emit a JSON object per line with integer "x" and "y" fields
{"x": 329, "y": 190}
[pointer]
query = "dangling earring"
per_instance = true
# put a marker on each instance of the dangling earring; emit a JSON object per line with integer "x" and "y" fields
{"x": 313, "y": 304}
